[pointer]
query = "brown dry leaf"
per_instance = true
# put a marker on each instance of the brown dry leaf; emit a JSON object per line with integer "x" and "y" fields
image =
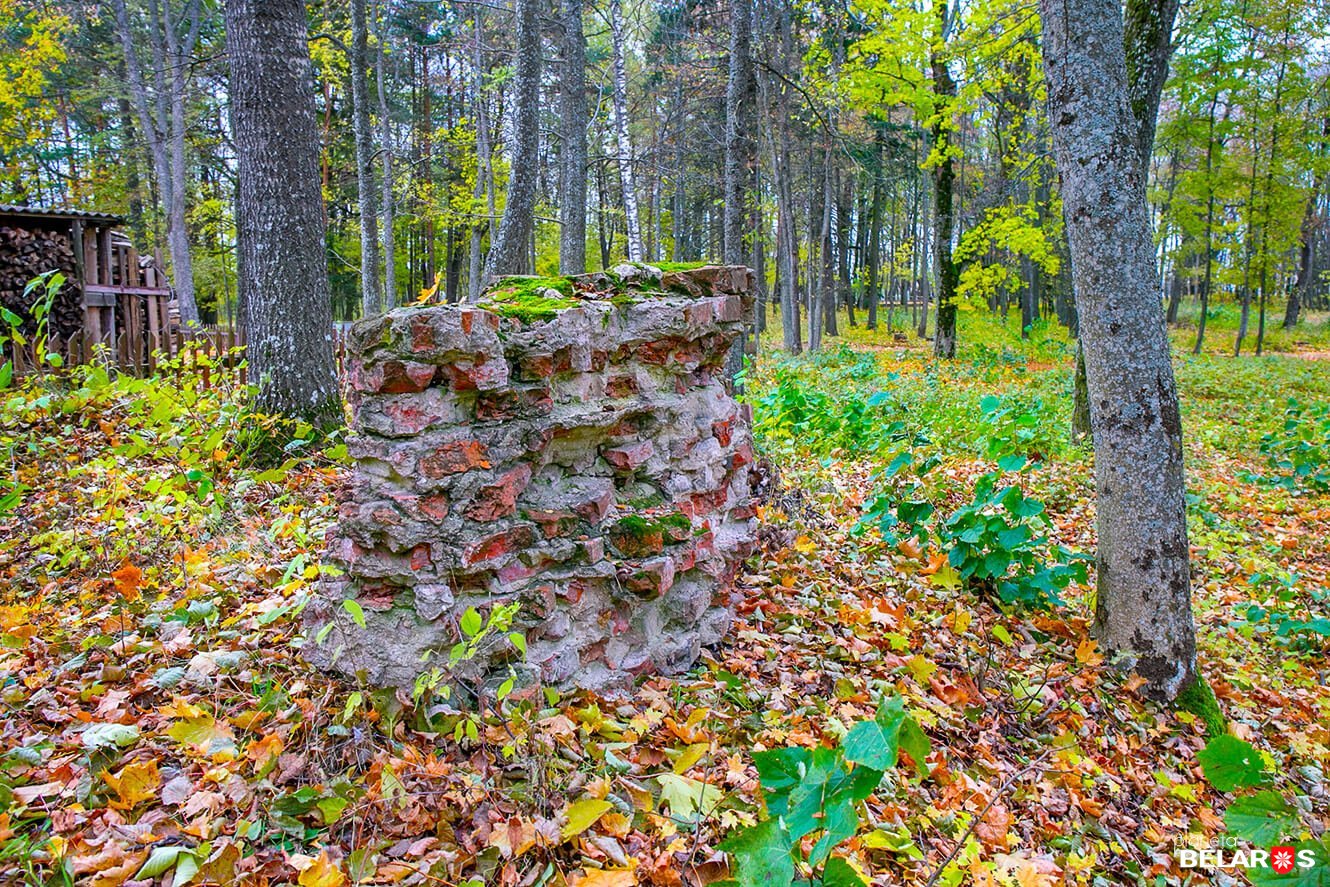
{"x": 127, "y": 581}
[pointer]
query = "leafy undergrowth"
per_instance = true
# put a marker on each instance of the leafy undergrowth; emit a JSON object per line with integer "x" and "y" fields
{"x": 159, "y": 725}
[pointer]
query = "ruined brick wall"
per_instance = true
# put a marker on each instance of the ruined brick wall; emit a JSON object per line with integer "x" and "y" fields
{"x": 572, "y": 447}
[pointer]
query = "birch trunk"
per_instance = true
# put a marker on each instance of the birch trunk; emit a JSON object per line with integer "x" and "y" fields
{"x": 370, "y": 301}
{"x": 632, "y": 225}
{"x": 1143, "y": 610}
{"x": 389, "y": 211}
{"x": 161, "y": 115}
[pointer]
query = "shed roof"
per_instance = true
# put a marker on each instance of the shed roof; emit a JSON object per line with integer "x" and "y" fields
{"x": 57, "y": 215}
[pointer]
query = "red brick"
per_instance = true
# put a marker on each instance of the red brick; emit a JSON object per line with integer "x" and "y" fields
{"x": 400, "y": 377}
{"x": 553, "y": 522}
{"x": 499, "y": 499}
{"x": 535, "y": 366}
{"x": 743, "y": 455}
{"x": 422, "y": 335}
{"x": 724, "y": 431}
{"x": 653, "y": 579}
{"x": 454, "y": 458}
{"x": 627, "y": 457}
{"x": 420, "y": 557}
{"x": 498, "y": 545}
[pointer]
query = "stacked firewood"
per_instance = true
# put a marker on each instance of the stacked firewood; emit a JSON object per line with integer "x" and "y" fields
{"x": 26, "y": 253}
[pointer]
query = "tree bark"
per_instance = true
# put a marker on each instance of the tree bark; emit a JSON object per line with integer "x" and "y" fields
{"x": 944, "y": 220}
{"x": 573, "y": 150}
{"x": 162, "y": 118}
{"x": 1143, "y": 611}
{"x": 371, "y": 303}
{"x": 387, "y": 204}
{"x": 283, "y": 273}
{"x": 510, "y": 250}
{"x": 739, "y": 97}
{"x": 632, "y": 224}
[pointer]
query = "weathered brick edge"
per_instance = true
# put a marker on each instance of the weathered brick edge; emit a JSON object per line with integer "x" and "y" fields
{"x": 592, "y": 466}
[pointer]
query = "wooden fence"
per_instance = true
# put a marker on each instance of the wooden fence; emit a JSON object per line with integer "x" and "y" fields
{"x": 213, "y": 353}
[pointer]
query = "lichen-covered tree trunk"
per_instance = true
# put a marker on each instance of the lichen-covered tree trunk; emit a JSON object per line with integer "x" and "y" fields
{"x": 370, "y": 301}
{"x": 573, "y": 150}
{"x": 510, "y": 250}
{"x": 1147, "y": 41}
{"x": 1143, "y": 612}
{"x": 283, "y": 273}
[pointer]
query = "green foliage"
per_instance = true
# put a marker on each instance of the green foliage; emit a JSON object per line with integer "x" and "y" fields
{"x": 1230, "y": 763}
{"x": 817, "y": 793}
{"x": 995, "y": 543}
{"x": 1286, "y": 611}
{"x": 1300, "y": 450}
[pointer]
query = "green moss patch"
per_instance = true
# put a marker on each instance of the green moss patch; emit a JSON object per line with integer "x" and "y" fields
{"x": 1199, "y": 699}
{"x": 668, "y": 267}
{"x": 530, "y": 298}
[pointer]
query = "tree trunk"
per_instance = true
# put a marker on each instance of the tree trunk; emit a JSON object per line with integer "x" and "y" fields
{"x": 874, "y": 259}
{"x": 386, "y": 137}
{"x": 573, "y": 151}
{"x": 1143, "y": 611}
{"x": 739, "y": 97}
{"x": 283, "y": 274}
{"x": 632, "y": 224}
{"x": 370, "y": 301}
{"x": 509, "y": 251}
{"x": 162, "y": 118}
{"x": 944, "y": 182}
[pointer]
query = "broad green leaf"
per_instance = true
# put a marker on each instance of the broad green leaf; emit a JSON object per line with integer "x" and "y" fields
{"x": 1230, "y": 763}
{"x": 876, "y": 743}
{"x": 583, "y": 814}
{"x": 471, "y": 622}
{"x": 762, "y": 855}
{"x": 840, "y": 873}
{"x": 839, "y": 823}
{"x": 1263, "y": 818}
{"x": 1315, "y": 875}
{"x": 915, "y": 742}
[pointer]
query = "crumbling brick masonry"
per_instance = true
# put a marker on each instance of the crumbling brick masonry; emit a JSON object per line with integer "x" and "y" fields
{"x": 567, "y": 443}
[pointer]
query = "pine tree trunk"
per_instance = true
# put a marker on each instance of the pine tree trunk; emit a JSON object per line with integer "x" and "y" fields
{"x": 739, "y": 97}
{"x": 389, "y": 211}
{"x": 283, "y": 273}
{"x": 510, "y": 249}
{"x": 944, "y": 183}
{"x": 1143, "y": 610}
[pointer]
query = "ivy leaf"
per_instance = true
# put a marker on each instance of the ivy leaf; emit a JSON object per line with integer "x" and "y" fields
{"x": 762, "y": 855}
{"x": 1229, "y": 763}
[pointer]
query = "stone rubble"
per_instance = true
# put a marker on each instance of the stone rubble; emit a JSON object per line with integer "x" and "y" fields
{"x": 574, "y": 449}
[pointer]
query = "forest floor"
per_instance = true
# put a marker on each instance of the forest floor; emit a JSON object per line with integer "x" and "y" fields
{"x": 159, "y": 726}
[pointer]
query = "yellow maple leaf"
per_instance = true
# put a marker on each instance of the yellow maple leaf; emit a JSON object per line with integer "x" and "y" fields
{"x": 1087, "y": 652}
{"x": 946, "y": 577}
{"x": 604, "y": 878}
{"x": 319, "y": 871}
{"x": 135, "y": 783}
